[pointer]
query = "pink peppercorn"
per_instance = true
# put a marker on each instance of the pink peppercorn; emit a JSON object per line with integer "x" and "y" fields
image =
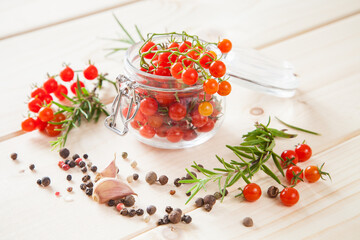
{"x": 57, "y": 194}
{"x": 65, "y": 167}
{"x": 61, "y": 163}
{"x": 78, "y": 160}
{"x": 120, "y": 206}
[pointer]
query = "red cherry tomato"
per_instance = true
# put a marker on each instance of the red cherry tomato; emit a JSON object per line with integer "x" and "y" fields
{"x": 189, "y": 135}
{"x": 314, "y": 173}
{"x": 177, "y": 111}
{"x": 211, "y": 86}
{"x": 194, "y": 54}
{"x": 304, "y": 152}
{"x": 185, "y": 61}
{"x": 252, "y": 192}
{"x": 174, "y": 46}
{"x": 289, "y": 196}
{"x": 59, "y": 91}
{"x": 34, "y": 105}
{"x": 225, "y": 45}
{"x": 53, "y": 130}
{"x": 207, "y": 127}
{"x": 40, "y": 125}
{"x": 176, "y": 70}
{"x": 224, "y": 88}
{"x": 289, "y": 158}
{"x": 38, "y": 93}
{"x": 174, "y": 134}
{"x": 155, "y": 120}
{"x": 59, "y": 117}
{"x": 147, "y": 131}
{"x": 46, "y": 114}
{"x": 67, "y": 74}
{"x": 48, "y": 98}
{"x": 165, "y": 99}
{"x": 206, "y": 59}
{"x": 185, "y": 46}
{"x": 91, "y": 72}
{"x": 204, "y": 96}
{"x": 149, "y": 45}
{"x": 162, "y": 131}
{"x": 167, "y": 57}
{"x": 28, "y": 125}
{"x": 50, "y": 85}
{"x": 197, "y": 119}
{"x": 135, "y": 125}
{"x": 162, "y": 71}
{"x": 189, "y": 76}
{"x": 148, "y": 106}
{"x": 291, "y": 172}
{"x": 217, "y": 69}
{"x": 74, "y": 86}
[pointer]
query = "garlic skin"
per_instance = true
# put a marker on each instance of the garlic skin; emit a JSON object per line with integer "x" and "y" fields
{"x": 110, "y": 188}
{"x": 110, "y": 171}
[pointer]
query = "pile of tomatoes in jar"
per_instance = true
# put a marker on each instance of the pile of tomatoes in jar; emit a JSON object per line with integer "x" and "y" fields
{"x": 41, "y": 114}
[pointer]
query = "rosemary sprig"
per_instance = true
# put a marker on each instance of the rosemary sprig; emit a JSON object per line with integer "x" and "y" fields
{"x": 297, "y": 128}
{"x": 253, "y": 154}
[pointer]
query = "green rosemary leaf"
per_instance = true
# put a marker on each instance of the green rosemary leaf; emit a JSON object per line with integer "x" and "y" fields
{"x": 277, "y": 164}
{"x": 139, "y": 33}
{"x": 245, "y": 179}
{"x": 68, "y": 98}
{"x": 190, "y": 173}
{"x": 236, "y": 177}
{"x": 84, "y": 113}
{"x": 66, "y": 108}
{"x": 222, "y": 170}
{"x": 194, "y": 193}
{"x": 271, "y": 146}
{"x": 188, "y": 181}
{"x": 203, "y": 170}
{"x": 238, "y": 152}
{"x": 278, "y": 133}
{"x": 122, "y": 27}
{"x": 270, "y": 173}
{"x": 297, "y": 128}
{"x": 252, "y": 142}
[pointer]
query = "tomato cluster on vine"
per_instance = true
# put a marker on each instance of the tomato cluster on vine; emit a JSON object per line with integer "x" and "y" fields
{"x": 41, "y": 114}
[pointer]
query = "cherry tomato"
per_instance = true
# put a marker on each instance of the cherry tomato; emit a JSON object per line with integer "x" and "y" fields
{"x": 40, "y": 125}
{"x": 189, "y": 76}
{"x": 165, "y": 99}
{"x": 67, "y": 74}
{"x": 206, "y": 59}
{"x": 224, "y": 88}
{"x": 48, "y": 98}
{"x": 189, "y": 135}
{"x": 46, "y": 114}
{"x": 312, "y": 174}
{"x": 252, "y": 192}
{"x": 74, "y": 86}
{"x": 225, "y": 45}
{"x": 155, "y": 120}
{"x": 148, "y": 106}
{"x": 162, "y": 131}
{"x": 135, "y": 125}
{"x": 147, "y": 131}
{"x": 28, "y": 125}
{"x": 194, "y": 54}
{"x": 185, "y": 61}
{"x": 204, "y": 96}
{"x": 304, "y": 152}
{"x": 162, "y": 71}
{"x": 177, "y": 111}
{"x": 59, "y": 117}
{"x": 205, "y": 109}
{"x": 186, "y": 45}
{"x": 176, "y": 70}
{"x": 174, "y": 134}
{"x": 289, "y": 196}
{"x": 213, "y": 54}
{"x": 289, "y": 158}
{"x": 34, "y": 105}
{"x": 207, "y": 127}
{"x": 50, "y": 85}
{"x": 167, "y": 57}
{"x": 61, "y": 89}
{"x": 291, "y": 172}
{"x": 173, "y": 46}
{"x": 149, "y": 45}
{"x": 211, "y": 86}
{"x": 53, "y": 130}
{"x": 198, "y": 120}
{"x": 217, "y": 69}
{"x": 91, "y": 72}
{"x": 38, "y": 93}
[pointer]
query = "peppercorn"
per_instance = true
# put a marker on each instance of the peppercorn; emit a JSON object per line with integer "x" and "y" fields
{"x": 172, "y": 192}
{"x": 124, "y": 155}
{"x": 89, "y": 164}
{"x": 69, "y": 189}
{"x": 129, "y": 201}
{"x": 135, "y": 176}
{"x": 163, "y": 179}
{"x": 86, "y": 178}
{"x": 130, "y": 179}
{"x": 272, "y": 192}
{"x": 75, "y": 156}
{"x": 89, "y": 191}
{"x": 190, "y": 177}
{"x": 160, "y": 222}
{"x": 38, "y": 182}
{"x": 217, "y": 195}
{"x": 132, "y": 213}
{"x": 89, "y": 185}
{"x": 226, "y": 192}
{"x": 166, "y": 219}
{"x": 67, "y": 161}
{"x": 186, "y": 219}
{"x": 209, "y": 199}
{"x": 139, "y": 212}
{"x": 57, "y": 194}
{"x": 85, "y": 156}
{"x": 72, "y": 164}
{"x": 199, "y": 202}
{"x": 176, "y": 182}
{"x": 82, "y": 186}
{"x": 183, "y": 178}
{"x": 13, "y": 156}
{"x": 133, "y": 164}
{"x": 111, "y": 203}
{"x": 175, "y": 217}
{"x": 168, "y": 209}
{"x": 124, "y": 212}
{"x": 188, "y": 194}
{"x": 248, "y": 222}
{"x": 151, "y": 209}
{"x": 68, "y": 177}
{"x": 64, "y": 153}
{"x": 178, "y": 210}
{"x": 151, "y": 177}
{"x": 45, "y": 181}
{"x": 32, "y": 167}
{"x": 208, "y": 207}
{"x": 82, "y": 164}
{"x": 200, "y": 165}
{"x": 93, "y": 168}
{"x": 84, "y": 169}
{"x": 119, "y": 206}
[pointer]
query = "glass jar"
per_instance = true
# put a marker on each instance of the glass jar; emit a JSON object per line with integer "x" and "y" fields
{"x": 161, "y": 111}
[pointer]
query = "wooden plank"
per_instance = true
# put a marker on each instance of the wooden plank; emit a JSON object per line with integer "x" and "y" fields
{"x": 26, "y": 67}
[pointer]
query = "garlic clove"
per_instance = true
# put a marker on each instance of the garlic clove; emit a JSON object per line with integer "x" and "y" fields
{"x": 110, "y": 188}
{"x": 110, "y": 171}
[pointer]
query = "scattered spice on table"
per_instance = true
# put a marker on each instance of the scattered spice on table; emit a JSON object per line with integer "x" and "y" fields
{"x": 85, "y": 156}
{"x": 68, "y": 177}
{"x": 69, "y": 189}
{"x": 248, "y": 222}
{"x": 64, "y": 153}
{"x": 163, "y": 179}
{"x": 124, "y": 155}
{"x": 140, "y": 212}
{"x": 45, "y": 181}
{"x": 32, "y": 167}
{"x": 186, "y": 219}
{"x": 129, "y": 201}
{"x": 75, "y": 156}
{"x": 199, "y": 202}
{"x": 151, "y": 177}
{"x": 13, "y": 156}
{"x": 133, "y": 164}
{"x": 272, "y": 192}
{"x": 151, "y": 209}
{"x": 38, "y": 182}
{"x": 176, "y": 182}
{"x": 172, "y": 192}
{"x": 135, "y": 176}
{"x": 93, "y": 168}
{"x": 168, "y": 209}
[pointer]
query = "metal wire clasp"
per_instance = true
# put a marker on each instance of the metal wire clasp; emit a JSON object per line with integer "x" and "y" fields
{"x": 126, "y": 89}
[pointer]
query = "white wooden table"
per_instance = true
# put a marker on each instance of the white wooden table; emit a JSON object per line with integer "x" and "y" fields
{"x": 321, "y": 38}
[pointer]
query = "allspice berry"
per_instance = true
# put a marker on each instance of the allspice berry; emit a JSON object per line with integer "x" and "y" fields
{"x": 124, "y": 212}
{"x": 186, "y": 219}
{"x": 272, "y": 192}
{"x": 45, "y": 181}
{"x": 75, "y": 156}
{"x": 151, "y": 209}
{"x": 13, "y": 156}
{"x": 151, "y": 177}
{"x": 248, "y": 222}
{"x": 175, "y": 217}
{"x": 199, "y": 202}
{"x": 135, "y": 176}
{"x": 32, "y": 167}
{"x": 178, "y": 210}
{"x": 163, "y": 179}
{"x": 129, "y": 201}
{"x": 209, "y": 199}
{"x": 64, "y": 153}
{"x": 93, "y": 168}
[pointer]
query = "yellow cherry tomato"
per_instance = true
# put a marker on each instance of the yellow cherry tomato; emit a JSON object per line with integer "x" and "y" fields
{"x": 206, "y": 108}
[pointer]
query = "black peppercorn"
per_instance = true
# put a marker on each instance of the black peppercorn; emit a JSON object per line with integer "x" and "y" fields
{"x": 82, "y": 164}
{"x": 208, "y": 207}
{"x": 89, "y": 191}
{"x": 84, "y": 169}
{"x": 85, "y": 156}
{"x": 129, "y": 201}
{"x": 72, "y": 164}
{"x": 13, "y": 156}
{"x": 64, "y": 153}
{"x": 86, "y": 178}
{"x": 132, "y": 213}
{"x": 217, "y": 195}
{"x": 140, "y": 212}
{"x": 160, "y": 222}
{"x": 124, "y": 212}
{"x": 151, "y": 209}
{"x": 32, "y": 167}
{"x": 38, "y": 181}
{"x": 93, "y": 168}
{"x": 68, "y": 177}
{"x": 186, "y": 219}
{"x": 248, "y": 222}
{"x": 82, "y": 186}
{"x": 69, "y": 189}
{"x": 151, "y": 177}
{"x": 111, "y": 203}
{"x": 168, "y": 209}
{"x": 199, "y": 202}
{"x": 67, "y": 161}
{"x": 135, "y": 176}
{"x": 176, "y": 182}
{"x": 124, "y": 155}
{"x": 45, "y": 181}
{"x": 89, "y": 185}
{"x": 209, "y": 199}
{"x": 75, "y": 156}
{"x": 190, "y": 177}
{"x": 273, "y": 192}
{"x": 166, "y": 219}
{"x": 163, "y": 179}
{"x": 188, "y": 194}
{"x": 175, "y": 217}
